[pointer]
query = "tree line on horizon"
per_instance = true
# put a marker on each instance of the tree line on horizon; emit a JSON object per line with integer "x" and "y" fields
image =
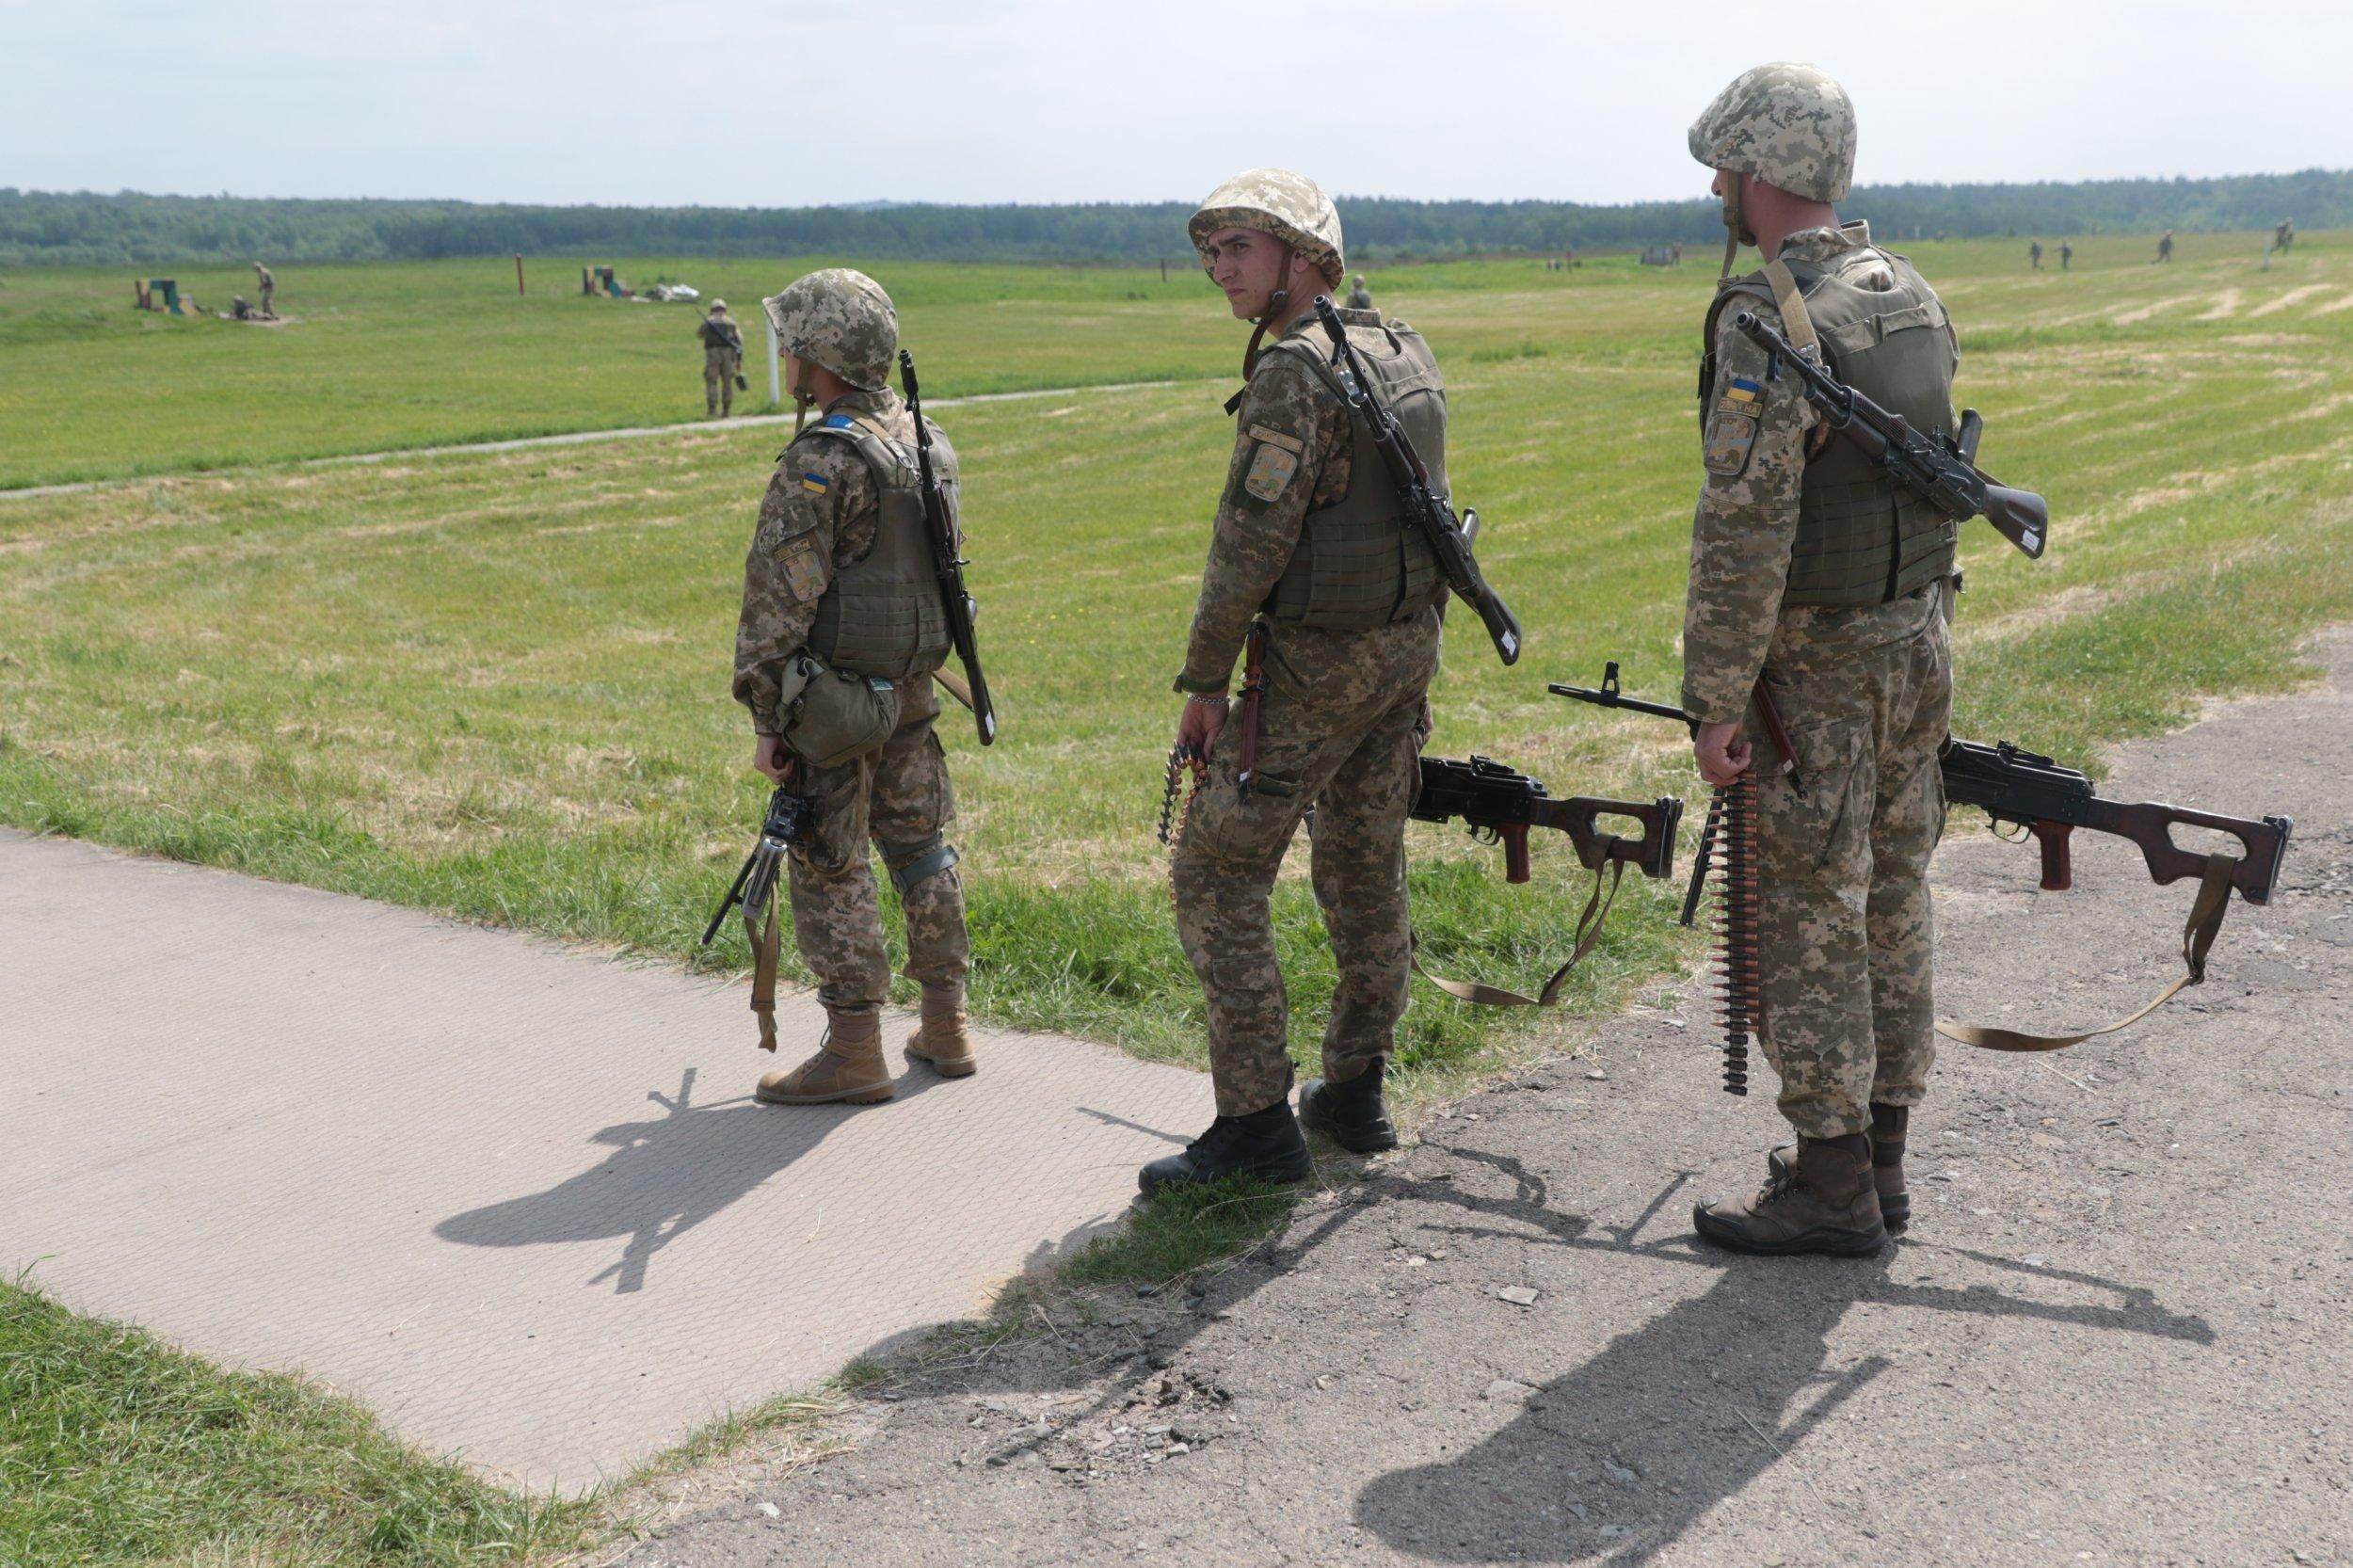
{"x": 84, "y": 228}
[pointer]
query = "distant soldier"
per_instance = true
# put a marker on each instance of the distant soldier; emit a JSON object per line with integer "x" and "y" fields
{"x": 1816, "y": 579}
{"x": 2066, "y": 254}
{"x": 723, "y": 360}
{"x": 2164, "y": 246}
{"x": 269, "y": 290}
{"x": 1359, "y": 296}
{"x": 1322, "y": 588}
{"x": 840, "y": 572}
{"x": 2034, "y": 256}
{"x": 2283, "y": 235}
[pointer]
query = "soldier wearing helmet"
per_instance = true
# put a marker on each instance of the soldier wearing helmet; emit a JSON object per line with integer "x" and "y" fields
{"x": 1312, "y": 568}
{"x": 1359, "y": 296}
{"x": 723, "y": 360}
{"x": 841, "y": 572}
{"x": 1813, "y": 571}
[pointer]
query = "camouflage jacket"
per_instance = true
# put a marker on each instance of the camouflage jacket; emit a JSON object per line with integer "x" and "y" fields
{"x": 1747, "y": 517}
{"x": 1258, "y": 522}
{"x": 817, "y": 516}
{"x": 720, "y": 332}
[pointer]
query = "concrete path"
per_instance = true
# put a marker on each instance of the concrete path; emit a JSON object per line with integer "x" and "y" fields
{"x": 2117, "y": 1333}
{"x": 579, "y": 437}
{"x": 513, "y": 1198}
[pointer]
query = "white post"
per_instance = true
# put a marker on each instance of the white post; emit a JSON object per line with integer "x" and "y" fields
{"x": 775, "y": 389}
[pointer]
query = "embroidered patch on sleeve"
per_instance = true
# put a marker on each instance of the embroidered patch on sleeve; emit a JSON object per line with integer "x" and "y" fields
{"x": 1271, "y": 471}
{"x": 804, "y": 574}
{"x": 814, "y": 484}
{"x": 1276, "y": 437}
{"x": 1739, "y": 396}
{"x": 1730, "y": 436}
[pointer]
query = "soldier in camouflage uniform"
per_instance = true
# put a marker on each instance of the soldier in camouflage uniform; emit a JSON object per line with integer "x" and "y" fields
{"x": 1810, "y": 568}
{"x": 269, "y": 290}
{"x": 1359, "y": 296}
{"x": 2067, "y": 254}
{"x": 840, "y": 568}
{"x": 723, "y": 360}
{"x": 2164, "y": 246}
{"x": 1310, "y": 545}
{"x": 2034, "y": 256}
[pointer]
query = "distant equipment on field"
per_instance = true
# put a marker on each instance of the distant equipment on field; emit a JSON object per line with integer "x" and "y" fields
{"x": 1662, "y": 255}
{"x": 600, "y": 280}
{"x": 160, "y": 294}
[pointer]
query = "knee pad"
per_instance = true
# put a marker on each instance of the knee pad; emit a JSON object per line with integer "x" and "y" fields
{"x": 917, "y": 862}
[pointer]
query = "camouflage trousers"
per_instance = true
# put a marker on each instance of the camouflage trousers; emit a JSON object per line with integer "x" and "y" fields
{"x": 1848, "y": 938}
{"x": 1338, "y": 730}
{"x": 900, "y": 798}
{"x": 720, "y": 366}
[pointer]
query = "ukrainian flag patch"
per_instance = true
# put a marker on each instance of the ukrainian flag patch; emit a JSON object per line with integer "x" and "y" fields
{"x": 839, "y": 422}
{"x": 814, "y": 484}
{"x": 1741, "y": 391}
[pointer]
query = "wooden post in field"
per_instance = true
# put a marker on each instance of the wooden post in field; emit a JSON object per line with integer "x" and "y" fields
{"x": 775, "y": 390}
{"x": 519, "y": 272}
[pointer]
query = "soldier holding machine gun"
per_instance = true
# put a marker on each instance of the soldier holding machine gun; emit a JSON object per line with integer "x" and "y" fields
{"x": 1333, "y": 544}
{"x": 1816, "y": 573}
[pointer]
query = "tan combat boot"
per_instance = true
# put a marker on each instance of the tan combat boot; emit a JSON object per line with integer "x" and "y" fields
{"x": 848, "y": 1067}
{"x": 1826, "y": 1202}
{"x": 941, "y": 1042}
{"x": 1890, "y": 1125}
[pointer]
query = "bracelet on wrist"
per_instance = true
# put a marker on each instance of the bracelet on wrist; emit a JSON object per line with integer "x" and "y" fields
{"x": 1205, "y": 698}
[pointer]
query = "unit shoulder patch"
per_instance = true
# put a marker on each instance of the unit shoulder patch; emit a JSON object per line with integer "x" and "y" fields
{"x": 1730, "y": 436}
{"x": 1271, "y": 469}
{"x": 800, "y": 568}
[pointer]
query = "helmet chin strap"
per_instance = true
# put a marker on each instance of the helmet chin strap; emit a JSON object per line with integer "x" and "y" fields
{"x": 1275, "y": 305}
{"x": 1732, "y": 220}
{"x": 802, "y": 399}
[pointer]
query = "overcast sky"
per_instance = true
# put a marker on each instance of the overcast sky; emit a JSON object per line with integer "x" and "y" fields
{"x": 788, "y": 102}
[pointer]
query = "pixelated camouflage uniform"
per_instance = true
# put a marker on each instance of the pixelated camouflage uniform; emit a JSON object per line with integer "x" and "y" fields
{"x": 1337, "y": 730}
{"x": 819, "y": 516}
{"x": 269, "y": 288}
{"x": 722, "y": 361}
{"x": 1847, "y": 932}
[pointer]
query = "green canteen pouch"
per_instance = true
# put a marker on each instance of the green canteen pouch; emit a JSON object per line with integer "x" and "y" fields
{"x": 836, "y": 716}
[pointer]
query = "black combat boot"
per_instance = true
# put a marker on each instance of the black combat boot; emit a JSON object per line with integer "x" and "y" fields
{"x": 1265, "y": 1144}
{"x": 1889, "y": 1125}
{"x": 1349, "y": 1112}
{"x": 1825, "y": 1203}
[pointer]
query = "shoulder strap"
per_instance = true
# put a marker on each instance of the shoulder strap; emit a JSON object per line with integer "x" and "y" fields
{"x": 1794, "y": 320}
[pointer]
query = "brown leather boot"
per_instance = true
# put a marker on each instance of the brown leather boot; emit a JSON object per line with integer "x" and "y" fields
{"x": 848, "y": 1067}
{"x": 1824, "y": 1203}
{"x": 1889, "y": 1125}
{"x": 942, "y": 1042}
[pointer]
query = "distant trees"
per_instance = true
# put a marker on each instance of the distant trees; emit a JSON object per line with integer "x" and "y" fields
{"x": 39, "y": 227}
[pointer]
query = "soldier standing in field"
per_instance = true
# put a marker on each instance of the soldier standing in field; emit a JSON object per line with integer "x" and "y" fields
{"x": 2165, "y": 246}
{"x": 2034, "y": 255}
{"x": 723, "y": 360}
{"x": 840, "y": 570}
{"x": 2283, "y": 235}
{"x": 1359, "y": 296}
{"x": 269, "y": 290}
{"x": 2066, "y": 254}
{"x": 1814, "y": 572}
{"x": 1315, "y": 571}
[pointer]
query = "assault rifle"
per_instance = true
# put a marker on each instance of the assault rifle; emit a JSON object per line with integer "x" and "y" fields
{"x": 948, "y": 560}
{"x": 1941, "y": 469}
{"x": 1425, "y": 508}
{"x": 1503, "y": 804}
{"x": 788, "y": 816}
{"x": 2019, "y": 788}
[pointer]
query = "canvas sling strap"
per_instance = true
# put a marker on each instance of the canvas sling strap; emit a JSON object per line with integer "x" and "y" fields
{"x": 765, "y": 934}
{"x": 1589, "y": 926}
{"x": 2205, "y": 919}
{"x": 1798, "y": 326}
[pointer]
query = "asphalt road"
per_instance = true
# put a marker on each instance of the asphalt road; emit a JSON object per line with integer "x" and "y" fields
{"x": 2117, "y": 1333}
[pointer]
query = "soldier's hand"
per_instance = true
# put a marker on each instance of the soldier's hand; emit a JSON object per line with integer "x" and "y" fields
{"x": 769, "y": 758}
{"x": 1722, "y": 754}
{"x": 1204, "y": 717}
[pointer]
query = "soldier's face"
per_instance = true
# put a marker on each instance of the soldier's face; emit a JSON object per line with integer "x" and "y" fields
{"x": 1243, "y": 264}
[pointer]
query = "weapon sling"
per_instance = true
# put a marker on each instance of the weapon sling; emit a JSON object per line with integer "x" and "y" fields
{"x": 1589, "y": 926}
{"x": 2205, "y": 919}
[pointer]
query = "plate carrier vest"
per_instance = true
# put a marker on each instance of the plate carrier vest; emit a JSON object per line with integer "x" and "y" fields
{"x": 1359, "y": 562}
{"x": 1862, "y": 539}
{"x": 881, "y": 614}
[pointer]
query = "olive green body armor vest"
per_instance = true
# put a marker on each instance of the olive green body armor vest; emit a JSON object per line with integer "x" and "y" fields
{"x": 881, "y": 614}
{"x": 1862, "y": 538}
{"x": 1360, "y": 563}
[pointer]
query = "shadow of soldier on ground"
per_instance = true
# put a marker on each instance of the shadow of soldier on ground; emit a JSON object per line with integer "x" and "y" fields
{"x": 666, "y": 1176}
{"x": 1621, "y": 1456}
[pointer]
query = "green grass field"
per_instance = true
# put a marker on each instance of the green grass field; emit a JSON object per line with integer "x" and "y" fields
{"x": 496, "y": 684}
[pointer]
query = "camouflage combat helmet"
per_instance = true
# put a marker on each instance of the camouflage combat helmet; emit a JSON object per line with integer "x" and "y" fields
{"x": 839, "y": 319}
{"x": 1291, "y": 207}
{"x": 1791, "y": 126}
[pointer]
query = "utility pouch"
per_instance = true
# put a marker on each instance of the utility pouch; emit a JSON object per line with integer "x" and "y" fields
{"x": 835, "y": 716}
